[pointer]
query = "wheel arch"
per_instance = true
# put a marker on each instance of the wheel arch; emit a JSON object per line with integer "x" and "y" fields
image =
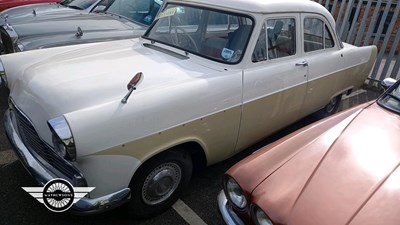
{"x": 140, "y": 179}
{"x": 194, "y": 148}
{"x": 344, "y": 91}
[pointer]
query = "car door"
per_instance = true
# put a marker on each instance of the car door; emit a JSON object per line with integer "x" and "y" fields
{"x": 321, "y": 53}
{"x": 274, "y": 83}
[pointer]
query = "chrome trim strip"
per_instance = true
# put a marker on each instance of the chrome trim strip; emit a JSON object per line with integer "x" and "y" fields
{"x": 60, "y": 128}
{"x": 42, "y": 176}
{"x": 226, "y": 211}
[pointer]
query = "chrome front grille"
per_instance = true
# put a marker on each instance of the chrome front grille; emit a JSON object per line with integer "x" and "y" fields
{"x": 40, "y": 149}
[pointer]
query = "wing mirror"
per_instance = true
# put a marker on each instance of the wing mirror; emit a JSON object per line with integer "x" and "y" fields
{"x": 387, "y": 83}
{"x": 132, "y": 86}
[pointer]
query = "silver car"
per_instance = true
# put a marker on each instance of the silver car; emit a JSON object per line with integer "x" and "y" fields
{"x": 120, "y": 19}
{"x": 34, "y": 11}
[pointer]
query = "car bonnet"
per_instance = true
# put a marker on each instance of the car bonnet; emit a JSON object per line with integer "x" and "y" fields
{"x": 43, "y": 26}
{"x": 56, "y": 81}
{"x": 340, "y": 182}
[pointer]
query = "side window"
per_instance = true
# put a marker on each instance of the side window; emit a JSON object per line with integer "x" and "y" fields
{"x": 277, "y": 39}
{"x": 316, "y": 35}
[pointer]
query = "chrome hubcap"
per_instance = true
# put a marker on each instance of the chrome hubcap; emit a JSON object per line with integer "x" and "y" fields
{"x": 161, "y": 183}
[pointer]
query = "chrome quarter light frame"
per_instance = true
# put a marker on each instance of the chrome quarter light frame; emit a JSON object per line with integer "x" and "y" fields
{"x": 63, "y": 141}
{"x": 259, "y": 216}
{"x": 235, "y": 193}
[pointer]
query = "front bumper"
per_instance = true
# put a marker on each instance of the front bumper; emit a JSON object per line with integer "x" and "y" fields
{"x": 226, "y": 211}
{"x": 42, "y": 175}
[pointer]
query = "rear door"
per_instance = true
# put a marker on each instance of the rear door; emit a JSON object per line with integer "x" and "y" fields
{"x": 321, "y": 52}
{"x": 274, "y": 83}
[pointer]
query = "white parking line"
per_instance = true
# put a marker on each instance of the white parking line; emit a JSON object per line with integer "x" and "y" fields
{"x": 187, "y": 213}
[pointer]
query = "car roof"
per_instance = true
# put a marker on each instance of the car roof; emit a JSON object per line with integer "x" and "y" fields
{"x": 262, "y": 6}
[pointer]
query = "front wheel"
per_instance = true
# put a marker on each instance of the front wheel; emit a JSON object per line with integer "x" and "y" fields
{"x": 331, "y": 107}
{"x": 159, "y": 182}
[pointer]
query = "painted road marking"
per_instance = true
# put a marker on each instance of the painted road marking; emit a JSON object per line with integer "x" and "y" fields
{"x": 187, "y": 213}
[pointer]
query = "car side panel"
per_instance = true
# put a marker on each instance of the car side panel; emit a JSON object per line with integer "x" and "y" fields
{"x": 102, "y": 173}
{"x": 216, "y": 134}
{"x": 266, "y": 115}
{"x": 347, "y": 69}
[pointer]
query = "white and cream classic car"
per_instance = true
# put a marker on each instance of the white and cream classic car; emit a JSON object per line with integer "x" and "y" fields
{"x": 207, "y": 80}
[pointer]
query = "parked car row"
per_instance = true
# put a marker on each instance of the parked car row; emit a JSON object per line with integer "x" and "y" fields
{"x": 135, "y": 117}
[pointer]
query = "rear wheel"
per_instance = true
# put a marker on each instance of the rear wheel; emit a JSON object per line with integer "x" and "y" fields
{"x": 159, "y": 182}
{"x": 331, "y": 107}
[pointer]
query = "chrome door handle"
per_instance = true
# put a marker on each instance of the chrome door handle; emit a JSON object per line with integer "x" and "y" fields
{"x": 303, "y": 63}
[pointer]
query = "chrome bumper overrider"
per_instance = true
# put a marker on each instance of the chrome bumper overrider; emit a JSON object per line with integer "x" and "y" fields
{"x": 226, "y": 211}
{"x": 42, "y": 175}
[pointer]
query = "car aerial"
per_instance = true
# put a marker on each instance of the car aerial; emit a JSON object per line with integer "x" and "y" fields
{"x": 6, "y": 4}
{"x": 31, "y": 12}
{"x": 206, "y": 80}
{"x": 120, "y": 19}
{"x": 340, "y": 170}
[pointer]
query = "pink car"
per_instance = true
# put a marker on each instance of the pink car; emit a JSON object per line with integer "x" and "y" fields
{"x": 343, "y": 170}
{"x": 5, "y": 4}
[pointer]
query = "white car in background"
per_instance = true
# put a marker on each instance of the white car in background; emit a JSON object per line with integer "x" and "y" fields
{"x": 208, "y": 79}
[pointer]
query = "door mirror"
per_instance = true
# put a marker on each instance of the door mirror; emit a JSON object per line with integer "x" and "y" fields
{"x": 387, "y": 83}
{"x": 135, "y": 81}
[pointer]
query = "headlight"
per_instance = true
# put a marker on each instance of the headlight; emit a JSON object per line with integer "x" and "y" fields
{"x": 3, "y": 77}
{"x": 260, "y": 217}
{"x": 63, "y": 141}
{"x": 235, "y": 193}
